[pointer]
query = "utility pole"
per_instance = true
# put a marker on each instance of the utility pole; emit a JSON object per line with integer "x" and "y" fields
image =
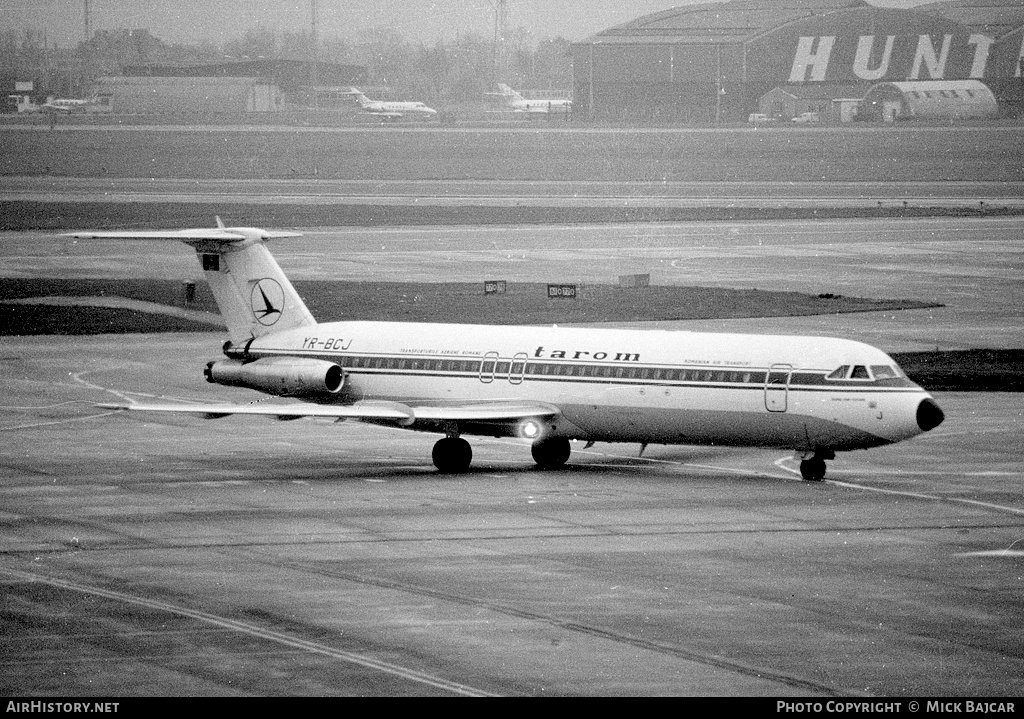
{"x": 86, "y": 69}
{"x": 501, "y": 42}
{"x": 314, "y": 42}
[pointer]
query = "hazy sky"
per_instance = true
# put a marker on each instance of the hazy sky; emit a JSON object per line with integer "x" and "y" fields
{"x": 184, "y": 21}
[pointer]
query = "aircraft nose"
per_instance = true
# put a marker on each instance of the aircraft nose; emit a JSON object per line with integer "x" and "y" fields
{"x": 929, "y": 415}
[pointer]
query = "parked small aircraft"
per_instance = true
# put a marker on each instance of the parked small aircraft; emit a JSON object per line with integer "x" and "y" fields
{"x": 65, "y": 105}
{"x": 390, "y": 110}
{"x": 810, "y": 395}
{"x": 517, "y": 103}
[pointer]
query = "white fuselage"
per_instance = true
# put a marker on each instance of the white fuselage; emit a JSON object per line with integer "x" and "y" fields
{"x": 540, "y": 106}
{"x": 671, "y": 387}
{"x": 64, "y": 105}
{"x": 396, "y": 108}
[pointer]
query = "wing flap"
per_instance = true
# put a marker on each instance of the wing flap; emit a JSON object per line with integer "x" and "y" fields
{"x": 397, "y": 412}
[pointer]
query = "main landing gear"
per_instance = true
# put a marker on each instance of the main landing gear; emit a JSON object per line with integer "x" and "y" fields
{"x": 813, "y": 468}
{"x": 551, "y": 452}
{"x": 453, "y": 454}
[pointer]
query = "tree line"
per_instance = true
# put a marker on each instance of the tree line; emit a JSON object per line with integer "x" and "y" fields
{"x": 459, "y": 70}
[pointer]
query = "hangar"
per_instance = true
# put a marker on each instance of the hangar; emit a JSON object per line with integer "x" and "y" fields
{"x": 183, "y": 95}
{"x": 232, "y": 87}
{"x": 945, "y": 99}
{"x": 709, "y": 63}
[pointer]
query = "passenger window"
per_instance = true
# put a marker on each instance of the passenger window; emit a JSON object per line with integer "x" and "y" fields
{"x": 881, "y": 371}
{"x": 860, "y": 372}
{"x": 839, "y": 373}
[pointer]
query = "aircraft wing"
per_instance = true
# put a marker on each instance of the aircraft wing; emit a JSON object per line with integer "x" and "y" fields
{"x": 213, "y": 233}
{"x": 383, "y": 113}
{"x": 380, "y": 411}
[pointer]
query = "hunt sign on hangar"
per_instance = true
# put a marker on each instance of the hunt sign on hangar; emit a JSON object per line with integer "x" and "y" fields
{"x": 712, "y": 61}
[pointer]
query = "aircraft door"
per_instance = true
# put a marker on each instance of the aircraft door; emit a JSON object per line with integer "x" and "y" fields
{"x": 518, "y": 368}
{"x": 488, "y": 367}
{"x": 776, "y": 387}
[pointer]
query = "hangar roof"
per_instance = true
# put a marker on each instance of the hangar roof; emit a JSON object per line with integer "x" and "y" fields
{"x": 717, "y": 22}
{"x": 818, "y": 91}
{"x": 994, "y": 18}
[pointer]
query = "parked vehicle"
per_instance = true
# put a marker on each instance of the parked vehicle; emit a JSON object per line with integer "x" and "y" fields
{"x": 758, "y": 118}
{"x": 805, "y": 118}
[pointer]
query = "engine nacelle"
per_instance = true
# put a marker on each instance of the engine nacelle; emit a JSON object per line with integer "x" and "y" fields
{"x": 284, "y": 376}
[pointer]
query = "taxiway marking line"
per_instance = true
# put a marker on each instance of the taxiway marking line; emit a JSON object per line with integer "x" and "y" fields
{"x": 56, "y": 422}
{"x": 934, "y": 498}
{"x": 914, "y": 495}
{"x": 245, "y": 628}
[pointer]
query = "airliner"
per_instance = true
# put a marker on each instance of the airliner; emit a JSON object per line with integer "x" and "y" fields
{"x": 518, "y": 103}
{"x": 390, "y": 110}
{"x": 813, "y": 396}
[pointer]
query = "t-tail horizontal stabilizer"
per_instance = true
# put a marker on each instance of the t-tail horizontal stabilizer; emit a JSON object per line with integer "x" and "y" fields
{"x": 251, "y": 290}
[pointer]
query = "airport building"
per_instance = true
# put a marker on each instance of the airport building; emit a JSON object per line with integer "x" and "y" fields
{"x": 234, "y": 87}
{"x": 184, "y": 95}
{"x": 716, "y": 62}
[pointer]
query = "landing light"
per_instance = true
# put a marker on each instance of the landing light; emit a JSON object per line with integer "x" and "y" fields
{"x": 529, "y": 429}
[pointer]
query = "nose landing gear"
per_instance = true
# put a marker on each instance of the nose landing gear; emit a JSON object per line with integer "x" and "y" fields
{"x": 812, "y": 468}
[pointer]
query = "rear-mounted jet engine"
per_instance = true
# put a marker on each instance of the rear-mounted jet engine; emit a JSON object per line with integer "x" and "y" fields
{"x": 282, "y": 376}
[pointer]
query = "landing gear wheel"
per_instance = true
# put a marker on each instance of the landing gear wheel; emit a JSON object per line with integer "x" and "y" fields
{"x": 551, "y": 453}
{"x": 452, "y": 455}
{"x": 813, "y": 470}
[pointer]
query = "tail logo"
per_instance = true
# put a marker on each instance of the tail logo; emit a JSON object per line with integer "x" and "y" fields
{"x": 267, "y": 301}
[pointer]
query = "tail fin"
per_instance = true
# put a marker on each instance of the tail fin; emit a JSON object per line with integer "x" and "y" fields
{"x": 252, "y": 292}
{"x": 360, "y": 97}
{"x": 509, "y": 93}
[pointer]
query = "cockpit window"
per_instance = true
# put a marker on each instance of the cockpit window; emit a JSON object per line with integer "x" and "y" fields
{"x": 839, "y": 373}
{"x": 860, "y": 372}
{"x": 881, "y": 371}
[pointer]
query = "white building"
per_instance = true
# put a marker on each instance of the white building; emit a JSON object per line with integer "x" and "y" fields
{"x": 934, "y": 99}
